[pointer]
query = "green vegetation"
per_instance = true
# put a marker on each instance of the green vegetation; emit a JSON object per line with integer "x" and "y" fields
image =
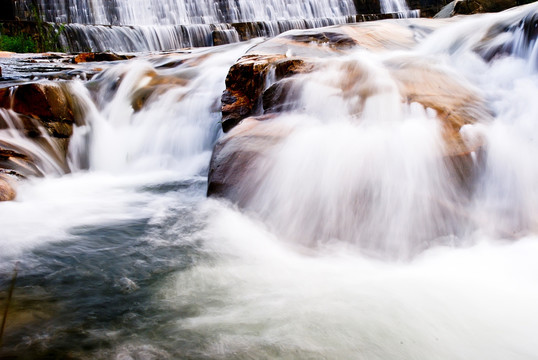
{"x": 20, "y": 43}
{"x": 47, "y": 36}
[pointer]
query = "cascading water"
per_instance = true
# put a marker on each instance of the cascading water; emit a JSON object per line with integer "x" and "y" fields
{"x": 44, "y": 155}
{"x": 174, "y": 12}
{"x": 123, "y": 25}
{"x": 399, "y": 7}
{"x": 354, "y": 242}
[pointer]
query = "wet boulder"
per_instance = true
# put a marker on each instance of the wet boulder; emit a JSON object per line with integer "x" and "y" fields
{"x": 7, "y": 190}
{"x": 237, "y": 153}
{"x": 44, "y": 116}
{"x": 293, "y": 53}
{"x": 519, "y": 38}
{"x": 99, "y": 56}
{"x": 268, "y": 82}
{"x": 46, "y": 101}
{"x": 246, "y": 81}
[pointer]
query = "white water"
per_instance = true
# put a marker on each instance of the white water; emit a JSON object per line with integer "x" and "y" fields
{"x": 44, "y": 153}
{"x": 184, "y": 12}
{"x": 263, "y": 299}
{"x": 398, "y": 6}
{"x": 259, "y": 291}
{"x": 156, "y": 25}
{"x": 370, "y": 175}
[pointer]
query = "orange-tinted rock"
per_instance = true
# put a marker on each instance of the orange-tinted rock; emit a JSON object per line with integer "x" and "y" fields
{"x": 455, "y": 102}
{"x": 42, "y": 112}
{"x": 101, "y": 56}
{"x": 294, "y": 52}
{"x": 7, "y": 190}
{"x": 246, "y": 81}
{"x": 415, "y": 80}
{"x": 46, "y": 101}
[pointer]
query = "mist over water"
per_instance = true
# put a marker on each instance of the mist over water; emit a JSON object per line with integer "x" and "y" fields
{"x": 345, "y": 249}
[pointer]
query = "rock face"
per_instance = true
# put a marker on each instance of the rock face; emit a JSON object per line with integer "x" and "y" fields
{"x": 246, "y": 81}
{"x": 42, "y": 113}
{"x": 46, "y": 101}
{"x": 269, "y": 80}
{"x": 469, "y": 7}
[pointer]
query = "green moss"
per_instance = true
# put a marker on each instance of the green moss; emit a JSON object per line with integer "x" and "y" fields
{"x": 20, "y": 44}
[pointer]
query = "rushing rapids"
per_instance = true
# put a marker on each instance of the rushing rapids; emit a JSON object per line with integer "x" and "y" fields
{"x": 374, "y": 196}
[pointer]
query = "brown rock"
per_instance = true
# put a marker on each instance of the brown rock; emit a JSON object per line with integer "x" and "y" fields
{"x": 236, "y": 155}
{"x": 455, "y": 103}
{"x": 246, "y": 81}
{"x": 100, "y": 56}
{"x": 46, "y": 101}
{"x": 294, "y": 53}
{"x": 244, "y": 86}
{"x": 15, "y": 160}
{"x": 44, "y": 113}
{"x": 7, "y": 190}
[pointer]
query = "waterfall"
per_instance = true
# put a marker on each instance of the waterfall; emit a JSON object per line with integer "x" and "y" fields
{"x": 399, "y": 7}
{"x": 127, "y": 25}
{"x": 351, "y": 233}
{"x": 187, "y": 12}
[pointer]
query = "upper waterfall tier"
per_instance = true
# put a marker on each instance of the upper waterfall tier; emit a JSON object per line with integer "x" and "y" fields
{"x": 184, "y": 12}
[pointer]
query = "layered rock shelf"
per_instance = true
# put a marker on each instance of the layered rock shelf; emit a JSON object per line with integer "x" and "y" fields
{"x": 268, "y": 80}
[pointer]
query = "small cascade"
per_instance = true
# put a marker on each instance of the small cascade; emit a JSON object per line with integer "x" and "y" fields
{"x": 398, "y": 7}
{"x": 364, "y": 170}
{"x": 27, "y": 148}
{"x": 152, "y": 115}
{"x": 348, "y": 232}
{"x": 81, "y": 38}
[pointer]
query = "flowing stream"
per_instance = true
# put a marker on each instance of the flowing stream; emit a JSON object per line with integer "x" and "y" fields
{"x": 126, "y": 258}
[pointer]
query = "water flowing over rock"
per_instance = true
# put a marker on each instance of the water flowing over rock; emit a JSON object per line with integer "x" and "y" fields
{"x": 374, "y": 196}
{"x": 270, "y": 95}
{"x": 174, "y": 12}
{"x": 7, "y": 190}
{"x": 399, "y": 7}
{"x": 36, "y": 123}
{"x": 164, "y": 25}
